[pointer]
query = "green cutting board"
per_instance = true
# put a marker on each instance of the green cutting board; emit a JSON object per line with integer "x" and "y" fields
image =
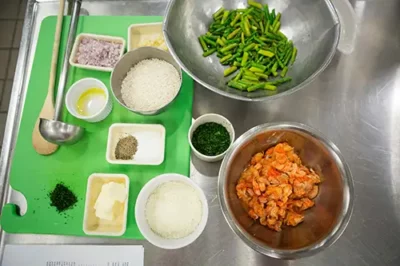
{"x": 35, "y": 176}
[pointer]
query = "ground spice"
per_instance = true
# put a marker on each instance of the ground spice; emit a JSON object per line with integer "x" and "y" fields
{"x": 211, "y": 139}
{"x": 126, "y": 148}
{"x": 62, "y": 198}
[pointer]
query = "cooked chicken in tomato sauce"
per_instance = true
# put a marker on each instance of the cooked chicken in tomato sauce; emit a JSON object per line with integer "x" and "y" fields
{"x": 277, "y": 188}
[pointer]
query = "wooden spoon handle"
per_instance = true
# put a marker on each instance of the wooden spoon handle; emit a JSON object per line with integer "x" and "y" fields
{"x": 41, "y": 145}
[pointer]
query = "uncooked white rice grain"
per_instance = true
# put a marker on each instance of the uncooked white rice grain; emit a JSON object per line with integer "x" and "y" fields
{"x": 150, "y": 85}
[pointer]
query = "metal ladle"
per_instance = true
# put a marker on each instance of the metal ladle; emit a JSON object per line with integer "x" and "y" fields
{"x": 56, "y": 131}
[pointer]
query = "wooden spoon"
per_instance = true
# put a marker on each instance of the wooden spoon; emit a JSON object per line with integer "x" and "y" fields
{"x": 41, "y": 145}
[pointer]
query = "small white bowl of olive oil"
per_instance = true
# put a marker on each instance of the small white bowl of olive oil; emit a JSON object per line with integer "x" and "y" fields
{"x": 88, "y": 99}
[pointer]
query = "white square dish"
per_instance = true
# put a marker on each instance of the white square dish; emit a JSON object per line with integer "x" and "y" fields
{"x": 92, "y": 225}
{"x": 151, "y": 143}
{"x": 97, "y": 37}
{"x": 138, "y": 33}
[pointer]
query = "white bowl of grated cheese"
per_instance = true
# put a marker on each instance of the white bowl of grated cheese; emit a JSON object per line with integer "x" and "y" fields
{"x": 171, "y": 211}
{"x": 146, "y": 80}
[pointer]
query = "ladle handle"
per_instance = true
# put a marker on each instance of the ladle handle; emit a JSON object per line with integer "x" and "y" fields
{"x": 65, "y": 67}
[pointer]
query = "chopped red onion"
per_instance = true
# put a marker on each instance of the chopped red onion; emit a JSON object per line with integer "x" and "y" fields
{"x": 99, "y": 53}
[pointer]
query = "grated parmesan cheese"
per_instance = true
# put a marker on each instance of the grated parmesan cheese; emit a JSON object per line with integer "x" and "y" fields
{"x": 150, "y": 85}
{"x": 173, "y": 210}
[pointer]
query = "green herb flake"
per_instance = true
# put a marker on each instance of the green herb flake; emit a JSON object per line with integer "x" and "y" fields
{"x": 211, "y": 139}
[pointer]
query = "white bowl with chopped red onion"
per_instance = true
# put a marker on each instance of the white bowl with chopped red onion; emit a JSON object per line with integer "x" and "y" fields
{"x": 97, "y": 52}
{"x": 146, "y": 80}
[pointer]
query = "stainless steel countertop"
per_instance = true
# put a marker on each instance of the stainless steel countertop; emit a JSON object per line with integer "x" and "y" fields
{"x": 355, "y": 103}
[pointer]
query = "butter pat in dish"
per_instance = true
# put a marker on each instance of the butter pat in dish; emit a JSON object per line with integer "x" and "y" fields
{"x": 106, "y": 205}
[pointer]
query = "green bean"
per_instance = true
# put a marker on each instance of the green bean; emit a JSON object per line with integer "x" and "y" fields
{"x": 272, "y": 17}
{"x": 266, "y": 53}
{"x": 263, "y": 68}
{"x": 219, "y": 12}
{"x": 209, "y": 52}
{"x": 236, "y": 63}
{"x": 255, "y": 4}
{"x": 229, "y": 47}
{"x": 237, "y": 17}
{"x": 238, "y": 76}
{"x": 277, "y": 26}
{"x": 254, "y": 78}
{"x": 261, "y": 75}
{"x": 294, "y": 53}
{"x": 281, "y": 81}
{"x": 269, "y": 87}
{"x": 256, "y": 87}
{"x": 225, "y": 58}
{"x": 246, "y": 27}
{"x": 284, "y": 71}
{"x": 248, "y": 82}
{"x": 236, "y": 85}
{"x": 210, "y": 42}
{"x": 220, "y": 42}
{"x": 242, "y": 36}
{"x": 279, "y": 62}
{"x": 274, "y": 68}
{"x": 249, "y": 73}
{"x": 245, "y": 58}
{"x": 256, "y": 69}
{"x": 249, "y": 47}
{"x": 233, "y": 33}
{"x": 230, "y": 70}
{"x": 225, "y": 17}
{"x": 203, "y": 44}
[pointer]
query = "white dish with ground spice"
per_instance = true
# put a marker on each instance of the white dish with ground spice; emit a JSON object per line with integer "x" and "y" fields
{"x": 149, "y": 144}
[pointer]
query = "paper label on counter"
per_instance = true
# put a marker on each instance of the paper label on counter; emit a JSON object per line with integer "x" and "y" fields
{"x": 72, "y": 255}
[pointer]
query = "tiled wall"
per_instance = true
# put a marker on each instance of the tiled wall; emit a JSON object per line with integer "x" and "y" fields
{"x": 11, "y": 19}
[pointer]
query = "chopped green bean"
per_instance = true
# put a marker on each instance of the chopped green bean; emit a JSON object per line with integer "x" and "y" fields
{"x": 218, "y": 12}
{"x": 209, "y": 41}
{"x": 256, "y": 87}
{"x": 225, "y": 17}
{"x": 261, "y": 75}
{"x": 233, "y": 33}
{"x": 255, "y": 4}
{"x": 266, "y": 53}
{"x": 245, "y": 58}
{"x": 229, "y": 47}
{"x": 209, "y": 52}
{"x": 256, "y": 69}
{"x": 294, "y": 53}
{"x": 237, "y": 17}
{"x": 225, "y": 58}
{"x": 269, "y": 87}
{"x": 250, "y": 40}
{"x": 284, "y": 71}
{"x": 249, "y": 47}
{"x": 203, "y": 44}
{"x": 236, "y": 85}
{"x": 229, "y": 71}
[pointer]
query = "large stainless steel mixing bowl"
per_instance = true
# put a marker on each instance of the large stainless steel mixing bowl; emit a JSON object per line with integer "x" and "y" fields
{"x": 313, "y": 25}
{"x": 323, "y": 223}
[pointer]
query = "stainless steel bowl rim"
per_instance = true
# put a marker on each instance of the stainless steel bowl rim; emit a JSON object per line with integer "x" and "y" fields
{"x": 347, "y": 181}
{"x": 266, "y": 98}
{"x": 151, "y": 112}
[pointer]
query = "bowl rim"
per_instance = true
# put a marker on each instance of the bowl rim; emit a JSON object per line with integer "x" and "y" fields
{"x": 348, "y": 199}
{"x": 231, "y": 130}
{"x": 303, "y": 84}
{"x": 150, "y": 112}
{"x": 146, "y": 191}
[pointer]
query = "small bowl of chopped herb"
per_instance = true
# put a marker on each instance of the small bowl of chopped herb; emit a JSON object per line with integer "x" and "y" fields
{"x": 210, "y": 136}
